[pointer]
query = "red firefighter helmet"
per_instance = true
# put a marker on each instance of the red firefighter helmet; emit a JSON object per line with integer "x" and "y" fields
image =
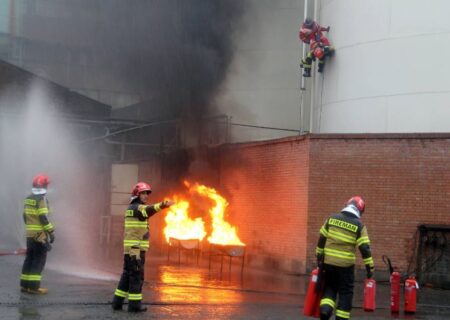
{"x": 41, "y": 181}
{"x": 358, "y": 202}
{"x": 319, "y": 53}
{"x": 140, "y": 187}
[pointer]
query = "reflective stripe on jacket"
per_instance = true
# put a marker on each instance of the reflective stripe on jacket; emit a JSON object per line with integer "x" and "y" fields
{"x": 136, "y": 226}
{"x": 35, "y": 215}
{"x": 340, "y": 235}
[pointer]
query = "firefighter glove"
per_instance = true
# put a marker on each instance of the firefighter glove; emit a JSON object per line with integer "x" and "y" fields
{"x": 51, "y": 236}
{"x": 167, "y": 203}
{"x": 320, "y": 258}
{"x": 48, "y": 246}
{"x": 369, "y": 271}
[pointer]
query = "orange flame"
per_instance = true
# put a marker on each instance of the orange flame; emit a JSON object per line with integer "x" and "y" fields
{"x": 223, "y": 232}
{"x": 180, "y": 226}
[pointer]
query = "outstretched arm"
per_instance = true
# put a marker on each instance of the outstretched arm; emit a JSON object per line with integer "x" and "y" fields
{"x": 146, "y": 211}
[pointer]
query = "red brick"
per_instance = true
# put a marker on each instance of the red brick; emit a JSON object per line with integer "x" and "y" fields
{"x": 281, "y": 191}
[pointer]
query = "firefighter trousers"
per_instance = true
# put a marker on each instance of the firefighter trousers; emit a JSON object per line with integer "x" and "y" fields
{"x": 33, "y": 265}
{"x": 307, "y": 63}
{"x": 131, "y": 281}
{"x": 338, "y": 282}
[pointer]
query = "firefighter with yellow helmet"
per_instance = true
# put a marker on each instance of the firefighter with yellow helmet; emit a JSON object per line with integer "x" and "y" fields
{"x": 136, "y": 243}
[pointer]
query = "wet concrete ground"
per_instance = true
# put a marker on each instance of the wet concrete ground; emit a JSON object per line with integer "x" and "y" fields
{"x": 187, "y": 292}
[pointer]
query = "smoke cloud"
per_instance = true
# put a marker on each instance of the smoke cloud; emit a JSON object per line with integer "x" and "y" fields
{"x": 173, "y": 53}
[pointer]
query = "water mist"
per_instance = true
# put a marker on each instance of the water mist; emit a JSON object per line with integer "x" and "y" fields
{"x": 37, "y": 139}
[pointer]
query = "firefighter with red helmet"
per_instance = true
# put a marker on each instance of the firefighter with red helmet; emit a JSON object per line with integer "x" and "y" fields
{"x": 340, "y": 235}
{"x": 39, "y": 233}
{"x": 311, "y": 33}
{"x": 135, "y": 244}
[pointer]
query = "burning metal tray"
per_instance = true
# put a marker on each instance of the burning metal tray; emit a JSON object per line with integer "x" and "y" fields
{"x": 184, "y": 243}
{"x": 232, "y": 250}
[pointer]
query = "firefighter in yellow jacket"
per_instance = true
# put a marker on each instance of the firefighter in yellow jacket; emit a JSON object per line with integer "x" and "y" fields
{"x": 339, "y": 237}
{"x": 40, "y": 233}
{"x": 136, "y": 243}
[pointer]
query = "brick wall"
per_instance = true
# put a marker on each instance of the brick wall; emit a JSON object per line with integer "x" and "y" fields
{"x": 403, "y": 179}
{"x": 281, "y": 191}
{"x": 268, "y": 184}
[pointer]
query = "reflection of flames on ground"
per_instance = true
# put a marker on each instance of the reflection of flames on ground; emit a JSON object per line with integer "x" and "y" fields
{"x": 177, "y": 284}
{"x": 180, "y": 226}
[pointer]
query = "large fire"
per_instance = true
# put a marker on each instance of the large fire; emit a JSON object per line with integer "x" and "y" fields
{"x": 180, "y": 226}
{"x": 222, "y": 231}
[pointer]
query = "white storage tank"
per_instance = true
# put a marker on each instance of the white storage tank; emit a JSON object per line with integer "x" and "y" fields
{"x": 391, "y": 71}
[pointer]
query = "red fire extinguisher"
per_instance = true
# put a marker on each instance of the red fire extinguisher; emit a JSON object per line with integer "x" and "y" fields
{"x": 370, "y": 288}
{"x": 395, "y": 292}
{"x": 395, "y": 286}
{"x": 312, "y": 299}
{"x": 411, "y": 287}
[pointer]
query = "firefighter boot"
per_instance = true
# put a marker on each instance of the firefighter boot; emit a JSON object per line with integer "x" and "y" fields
{"x": 321, "y": 66}
{"x": 329, "y": 51}
{"x": 325, "y": 312}
{"x": 136, "y": 306}
{"x": 117, "y": 303}
{"x": 36, "y": 291}
{"x": 307, "y": 73}
{"x": 306, "y": 65}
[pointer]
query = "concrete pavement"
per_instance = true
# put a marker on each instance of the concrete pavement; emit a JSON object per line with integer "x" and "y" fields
{"x": 185, "y": 292}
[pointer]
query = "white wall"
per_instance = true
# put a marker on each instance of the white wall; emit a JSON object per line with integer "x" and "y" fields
{"x": 262, "y": 87}
{"x": 391, "y": 71}
{"x": 123, "y": 178}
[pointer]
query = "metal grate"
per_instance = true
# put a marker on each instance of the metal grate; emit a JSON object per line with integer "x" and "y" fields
{"x": 433, "y": 255}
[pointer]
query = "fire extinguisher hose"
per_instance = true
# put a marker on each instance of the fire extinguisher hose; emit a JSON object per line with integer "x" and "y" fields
{"x": 13, "y": 253}
{"x": 387, "y": 261}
